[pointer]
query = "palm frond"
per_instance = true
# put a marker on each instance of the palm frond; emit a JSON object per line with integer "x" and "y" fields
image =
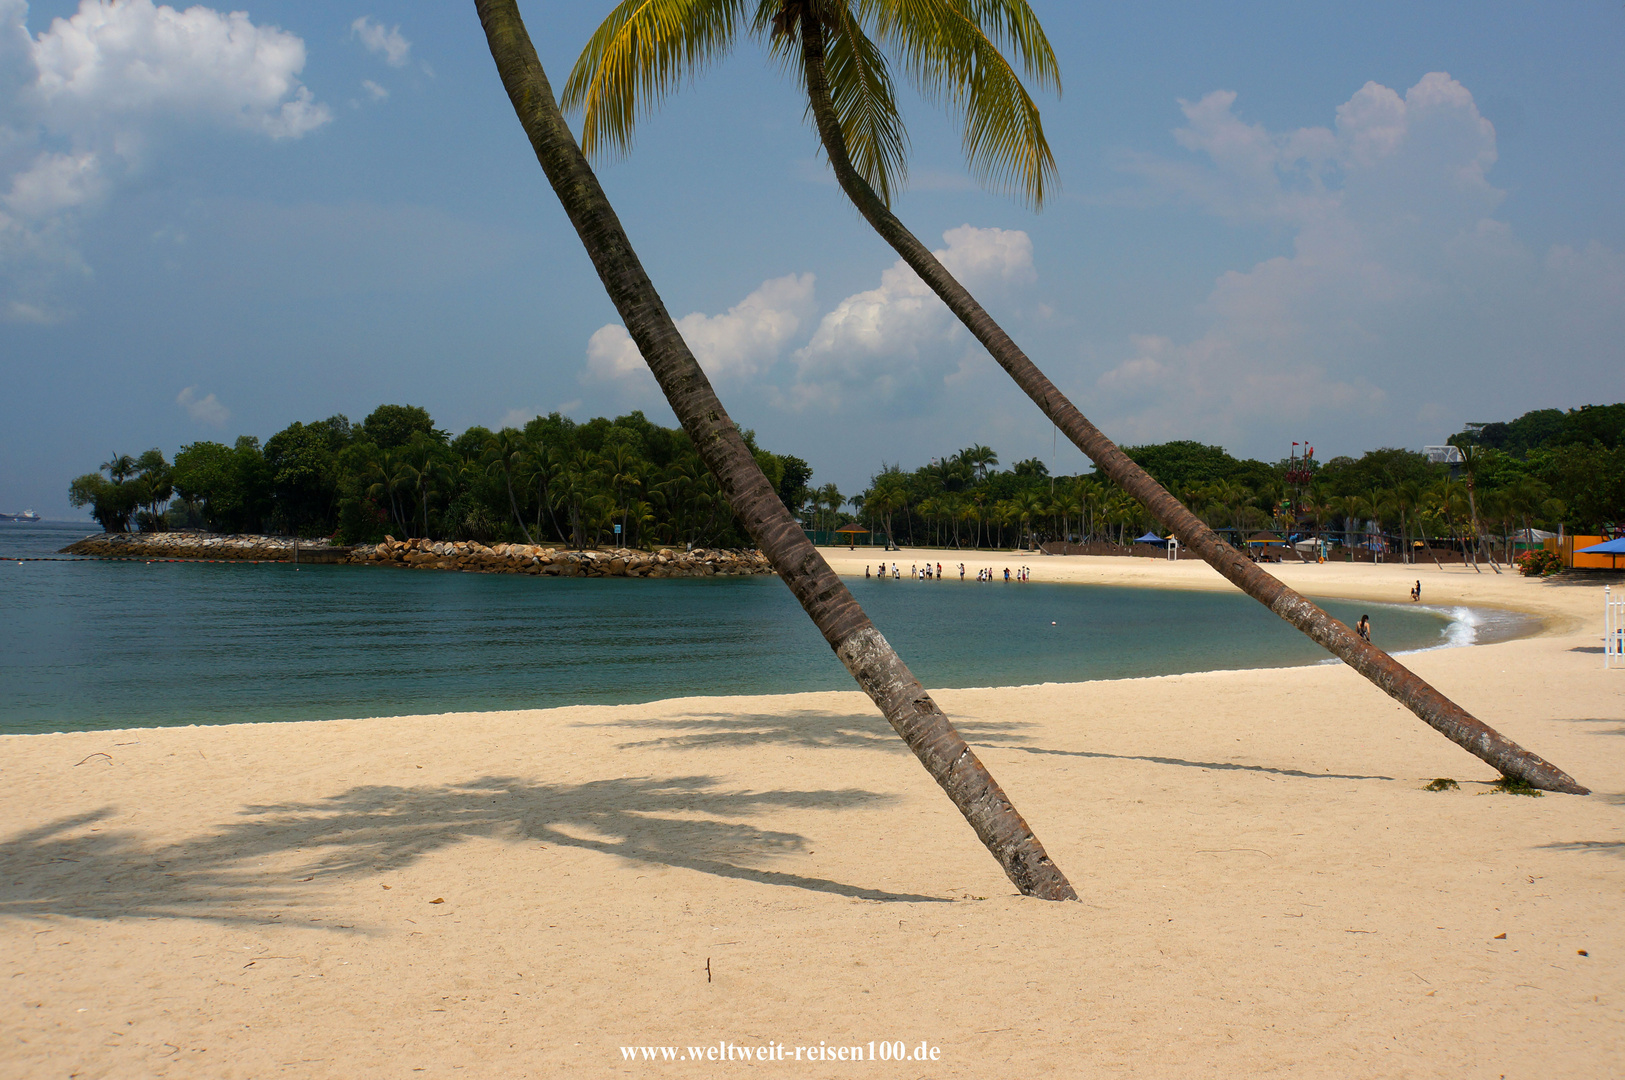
{"x": 638, "y": 55}
{"x": 951, "y": 52}
{"x": 861, "y": 90}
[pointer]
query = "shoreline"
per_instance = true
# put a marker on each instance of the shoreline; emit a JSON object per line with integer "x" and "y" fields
{"x": 1100, "y": 571}
{"x": 1380, "y": 582}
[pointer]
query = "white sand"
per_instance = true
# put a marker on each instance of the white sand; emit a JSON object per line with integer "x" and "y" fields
{"x": 1268, "y": 890}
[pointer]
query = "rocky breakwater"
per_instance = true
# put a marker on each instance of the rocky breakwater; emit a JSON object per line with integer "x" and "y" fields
{"x": 474, "y": 557}
{"x": 210, "y": 546}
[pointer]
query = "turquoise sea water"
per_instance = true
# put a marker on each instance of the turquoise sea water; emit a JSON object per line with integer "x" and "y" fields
{"x": 89, "y": 645}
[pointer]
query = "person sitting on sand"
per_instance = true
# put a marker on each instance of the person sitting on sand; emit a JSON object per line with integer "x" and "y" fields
{"x": 1416, "y": 591}
{"x": 1364, "y": 629}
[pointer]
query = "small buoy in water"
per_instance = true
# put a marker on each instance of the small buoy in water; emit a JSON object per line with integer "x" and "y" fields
{"x": 1052, "y": 623}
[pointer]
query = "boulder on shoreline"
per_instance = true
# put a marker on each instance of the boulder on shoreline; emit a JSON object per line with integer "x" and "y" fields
{"x": 418, "y": 553}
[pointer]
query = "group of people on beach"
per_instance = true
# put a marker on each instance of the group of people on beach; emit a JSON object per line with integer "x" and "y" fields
{"x": 930, "y": 572}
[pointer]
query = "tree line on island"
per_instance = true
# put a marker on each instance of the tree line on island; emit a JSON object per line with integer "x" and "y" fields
{"x": 626, "y": 481}
{"x": 1546, "y": 468}
{"x": 559, "y": 481}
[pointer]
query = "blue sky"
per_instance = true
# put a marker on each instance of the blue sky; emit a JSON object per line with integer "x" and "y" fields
{"x": 1357, "y": 225}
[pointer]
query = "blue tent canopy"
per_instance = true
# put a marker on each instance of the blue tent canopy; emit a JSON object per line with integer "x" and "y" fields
{"x": 1149, "y": 538}
{"x": 1607, "y": 547}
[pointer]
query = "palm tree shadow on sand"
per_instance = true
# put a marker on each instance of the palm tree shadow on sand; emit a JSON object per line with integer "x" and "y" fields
{"x": 241, "y": 873}
{"x": 817, "y": 729}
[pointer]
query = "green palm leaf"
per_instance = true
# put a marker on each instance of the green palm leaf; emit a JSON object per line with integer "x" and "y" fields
{"x": 952, "y": 51}
{"x": 860, "y": 88}
{"x": 640, "y": 54}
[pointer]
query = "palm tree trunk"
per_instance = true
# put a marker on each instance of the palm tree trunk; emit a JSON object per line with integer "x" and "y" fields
{"x": 1403, "y": 685}
{"x": 866, "y": 654}
{"x": 1479, "y": 539}
{"x": 514, "y": 503}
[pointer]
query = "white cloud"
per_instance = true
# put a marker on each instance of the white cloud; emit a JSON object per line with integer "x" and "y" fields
{"x": 742, "y": 342}
{"x": 136, "y": 60}
{"x": 81, "y": 105}
{"x": 516, "y": 418}
{"x": 387, "y": 43}
{"x": 612, "y": 357}
{"x": 900, "y": 335}
{"x": 1398, "y": 276}
{"x": 206, "y": 410}
{"x": 33, "y": 314}
{"x": 376, "y": 92}
{"x": 53, "y": 183}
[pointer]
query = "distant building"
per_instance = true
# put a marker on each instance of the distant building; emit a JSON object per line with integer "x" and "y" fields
{"x": 1442, "y": 455}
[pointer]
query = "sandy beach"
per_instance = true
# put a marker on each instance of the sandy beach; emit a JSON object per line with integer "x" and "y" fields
{"x": 1268, "y": 889}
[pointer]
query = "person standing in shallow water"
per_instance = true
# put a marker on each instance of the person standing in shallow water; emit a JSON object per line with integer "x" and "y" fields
{"x": 1364, "y": 629}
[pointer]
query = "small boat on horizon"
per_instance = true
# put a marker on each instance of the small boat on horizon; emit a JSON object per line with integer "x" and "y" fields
{"x": 26, "y": 515}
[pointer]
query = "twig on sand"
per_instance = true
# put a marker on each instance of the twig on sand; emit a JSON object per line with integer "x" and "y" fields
{"x": 98, "y": 753}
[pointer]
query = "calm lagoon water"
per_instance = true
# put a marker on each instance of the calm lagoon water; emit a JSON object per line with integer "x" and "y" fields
{"x": 89, "y": 645}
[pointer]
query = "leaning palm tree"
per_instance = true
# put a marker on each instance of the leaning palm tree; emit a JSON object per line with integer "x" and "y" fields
{"x": 866, "y": 654}
{"x": 953, "y": 52}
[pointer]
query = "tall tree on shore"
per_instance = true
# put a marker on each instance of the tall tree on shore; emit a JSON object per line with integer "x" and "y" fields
{"x": 866, "y": 654}
{"x": 953, "y": 52}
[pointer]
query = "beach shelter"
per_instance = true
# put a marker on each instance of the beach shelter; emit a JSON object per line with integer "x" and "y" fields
{"x": 852, "y": 532}
{"x": 1612, "y": 548}
{"x": 1149, "y": 538}
{"x": 1265, "y": 538}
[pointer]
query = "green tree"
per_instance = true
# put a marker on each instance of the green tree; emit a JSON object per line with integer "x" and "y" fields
{"x": 233, "y": 484}
{"x": 112, "y": 498}
{"x": 793, "y": 483}
{"x": 303, "y": 464}
{"x": 1588, "y": 479}
{"x": 391, "y": 426}
{"x": 154, "y": 485}
{"x": 507, "y": 454}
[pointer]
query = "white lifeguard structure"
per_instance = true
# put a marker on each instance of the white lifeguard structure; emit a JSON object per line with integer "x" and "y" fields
{"x": 1613, "y": 628}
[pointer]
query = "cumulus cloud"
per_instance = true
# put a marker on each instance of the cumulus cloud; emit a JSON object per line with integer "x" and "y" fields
{"x": 900, "y": 335}
{"x": 744, "y": 341}
{"x": 387, "y": 43}
{"x": 1398, "y": 274}
{"x": 133, "y": 59}
{"x": 205, "y": 410}
{"x": 82, "y": 103}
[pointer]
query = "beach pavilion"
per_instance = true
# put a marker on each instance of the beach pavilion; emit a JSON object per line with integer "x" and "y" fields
{"x": 852, "y": 532}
